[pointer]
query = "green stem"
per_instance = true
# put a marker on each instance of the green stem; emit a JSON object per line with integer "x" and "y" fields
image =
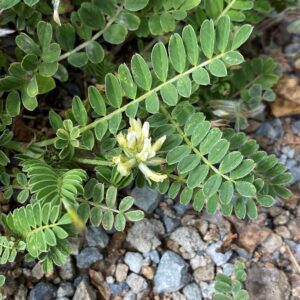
{"x": 94, "y": 38}
{"x": 98, "y": 205}
{"x": 228, "y": 7}
{"x": 135, "y": 101}
{"x": 96, "y": 162}
{"x": 189, "y": 143}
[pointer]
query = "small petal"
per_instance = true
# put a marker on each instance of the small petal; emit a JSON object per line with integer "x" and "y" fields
{"x": 157, "y": 145}
{"x": 145, "y": 129}
{"x": 146, "y": 151}
{"x": 150, "y": 174}
{"x": 131, "y": 139}
{"x": 121, "y": 140}
{"x": 136, "y": 126}
{"x": 156, "y": 161}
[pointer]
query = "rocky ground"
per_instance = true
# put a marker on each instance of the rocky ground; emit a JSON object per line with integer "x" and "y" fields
{"x": 175, "y": 253}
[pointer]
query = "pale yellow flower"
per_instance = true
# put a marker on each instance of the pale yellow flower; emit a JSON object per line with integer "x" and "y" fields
{"x": 138, "y": 151}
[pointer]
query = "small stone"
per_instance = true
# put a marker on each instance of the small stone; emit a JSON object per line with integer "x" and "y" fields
{"x": 218, "y": 257}
{"x": 283, "y": 232}
{"x": 65, "y": 290}
{"x": 67, "y": 271}
{"x": 110, "y": 280}
{"x": 153, "y": 255}
{"x": 272, "y": 243}
{"x": 296, "y": 127}
{"x": 171, "y": 223}
{"x": 228, "y": 269}
{"x": 180, "y": 208}
{"x": 96, "y": 237}
{"x": 208, "y": 290}
{"x": 198, "y": 261}
{"x": 147, "y": 272}
{"x": 136, "y": 283}
{"x": 282, "y": 219}
{"x": 146, "y": 199}
{"x": 176, "y": 296}
{"x": 37, "y": 271}
{"x": 275, "y": 211}
{"x": 118, "y": 288}
{"x": 87, "y": 257}
{"x": 43, "y": 290}
{"x": 296, "y": 174}
{"x": 268, "y": 131}
{"x": 121, "y": 272}
{"x": 294, "y": 228}
{"x": 289, "y": 151}
{"x": 84, "y": 292}
{"x": 189, "y": 241}
{"x": 21, "y": 294}
{"x": 202, "y": 226}
{"x": 134, "y": 261}
{"x": 192, "y": 292}
{"x": 267, "y": 284}
{"x": 295, "y": 282}
{"x": 130, "y": 296}
{"x": 172, "y": 273}
{"x": 144, "y": 235}
{"x": 204, "y": 273}
{"x": 82, "y": 277}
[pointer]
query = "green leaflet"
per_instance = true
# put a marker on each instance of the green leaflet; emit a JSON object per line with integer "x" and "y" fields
{"x": 79, "y": 111}
{"x": 190, "y": 41}
{"x": 217, "y": 68}
{"x": 127, "y": 83}
{"x": 245, "y": 188}
{"x": 169, "y": 94}
{"x": 223, "y": 33}
{"x": 201, "y": 76}
{"x": 152, "y": 103}
{"x": 241, "y": 36}
{"x": 207, "y": 38}
{"x": 177, "y": 53}
{"x": 160, "y": 61}
{"x": 141, "y": 72}
{"x": 113, "y": 90}
{"x": 95, "y": 52}
{"x": 184, "y": 86}
{"x": 212, "y": 185}
{"x": 97, "y": 101}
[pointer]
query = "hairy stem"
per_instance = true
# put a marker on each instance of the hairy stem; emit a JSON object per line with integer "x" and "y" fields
{"x": 96, "y": 162}
{"x": 228, "y": 7}
{"x": 189, "y": 143}
{"x": 135, "y": 101}
{"x": 94, "y": 38}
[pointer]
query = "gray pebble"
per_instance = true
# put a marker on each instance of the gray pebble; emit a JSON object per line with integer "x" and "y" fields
{"x": 134, "y": 261}
{"x": 146, "y": 199}
{"x": 96, "y": 237}
{"x": 192, "y": 292}
{"x": 218, "y": 258}
{"x": 87, "y": 257}
{"x": 172, "y": 273}
{"x": 43, "y": 290}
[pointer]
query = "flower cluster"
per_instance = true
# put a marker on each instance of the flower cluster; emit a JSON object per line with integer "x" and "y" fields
{"x": 138, "y": 151}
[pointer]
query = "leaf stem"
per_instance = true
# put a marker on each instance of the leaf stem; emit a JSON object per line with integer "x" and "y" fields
{"x": 135, "y": 101}
{"x": 189, "y": 143}
{"x": 228, "y": 7}
{"x": 96, "y": 162}
{"x": 94, "y": 38}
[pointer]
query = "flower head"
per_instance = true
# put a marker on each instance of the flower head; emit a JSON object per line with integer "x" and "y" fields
{"x": 138, "y": 151}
